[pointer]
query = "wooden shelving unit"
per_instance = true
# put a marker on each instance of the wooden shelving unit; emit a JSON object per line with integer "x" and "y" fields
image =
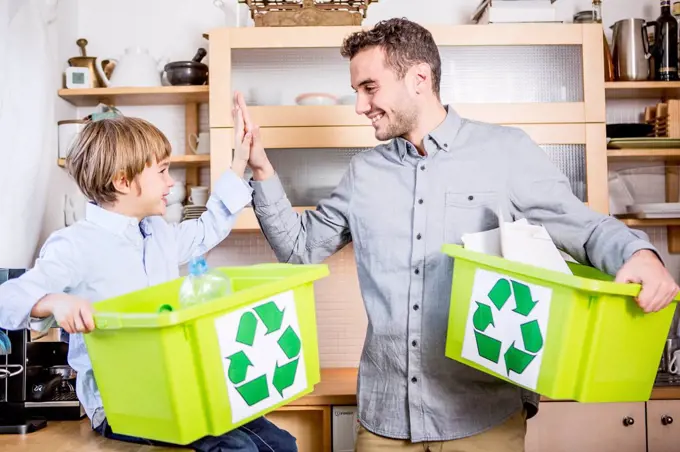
{"x": 189, "y": 96}
{"x": 641, "y": 90}
{"x": 668, "y": 157}
{"x": 157, "y": 95}
{"x": 643, "y": 154}
{"x": 175, "y": 160}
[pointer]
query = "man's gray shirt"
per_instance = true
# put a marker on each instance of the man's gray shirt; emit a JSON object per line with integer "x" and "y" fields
{"x": 399, "y": 208}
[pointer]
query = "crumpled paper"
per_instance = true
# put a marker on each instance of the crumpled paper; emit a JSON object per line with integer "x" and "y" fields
{"x": 522, "y": 242}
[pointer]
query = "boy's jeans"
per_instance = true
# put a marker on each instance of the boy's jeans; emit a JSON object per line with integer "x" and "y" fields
{"x": 259, "y": 435}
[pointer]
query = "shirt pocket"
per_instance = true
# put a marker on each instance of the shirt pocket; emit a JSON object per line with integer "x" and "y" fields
{"x": 469, "y": 212}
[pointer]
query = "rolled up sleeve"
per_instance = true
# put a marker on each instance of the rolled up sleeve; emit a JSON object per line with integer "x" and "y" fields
{"x": 308, "y": 237}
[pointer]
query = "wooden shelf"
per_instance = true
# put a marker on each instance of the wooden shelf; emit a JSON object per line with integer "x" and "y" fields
{"x": 175, "y": 160}
{"x": 157, "y": 95}
{"x": 643, "y": 154}
{"x": 191, "y": 159}
{"x": 247, "y": 221}
{"x": 649, "y": 223}
{"x": 641, "y": 90}
{"x": 345, "y": 115}
{"x": 444, "y": 35}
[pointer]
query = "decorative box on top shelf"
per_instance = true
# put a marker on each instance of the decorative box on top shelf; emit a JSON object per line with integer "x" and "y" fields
{"x": 292, "y": 13}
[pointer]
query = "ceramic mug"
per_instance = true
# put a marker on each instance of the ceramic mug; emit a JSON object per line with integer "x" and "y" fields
{"x": 674, "y": 365}
{"x": 68, "y": 131}
{"x": 199, "y": 196}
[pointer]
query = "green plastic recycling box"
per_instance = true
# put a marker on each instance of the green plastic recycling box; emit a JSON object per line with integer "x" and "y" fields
{"x": 207, "y": 369}
{"x": 577, "y": 337}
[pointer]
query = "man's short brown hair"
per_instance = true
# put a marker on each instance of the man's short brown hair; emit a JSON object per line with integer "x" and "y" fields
{"x": 405, "y": 43}
{"x": 110, "y": 148}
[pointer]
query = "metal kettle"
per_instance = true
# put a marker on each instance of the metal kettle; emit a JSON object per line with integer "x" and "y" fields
{"x": 631, "y": 51}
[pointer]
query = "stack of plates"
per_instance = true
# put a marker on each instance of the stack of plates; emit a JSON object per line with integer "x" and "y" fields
{"x": 192, "y": 212}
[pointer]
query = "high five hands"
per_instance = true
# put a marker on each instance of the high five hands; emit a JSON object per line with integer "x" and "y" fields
{"x": 248, "y": 147}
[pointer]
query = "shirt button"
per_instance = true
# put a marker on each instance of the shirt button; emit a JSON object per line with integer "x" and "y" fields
{"x": 470, "y": 198}
{"x": 422, "y": 168}
{"x": 419, "y": 237}
{"x": 420, "y": 201}
{"x": 414, "y": 343}
{"x": 417, "y": 271}
{"x": 416, "y": 307}
{"x": 414, "y": 380}
{"x": 446, "y": 145}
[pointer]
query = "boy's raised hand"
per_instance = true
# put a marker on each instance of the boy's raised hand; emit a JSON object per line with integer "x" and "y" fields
{"x": 73, "y": 314}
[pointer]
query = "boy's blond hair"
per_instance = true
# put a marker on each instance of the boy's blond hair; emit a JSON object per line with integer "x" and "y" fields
{"x": 110, "y": 148}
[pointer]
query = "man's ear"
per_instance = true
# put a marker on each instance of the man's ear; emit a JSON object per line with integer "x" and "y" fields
{"x": 422, "y": 76}
{"x": 121, "y": 184}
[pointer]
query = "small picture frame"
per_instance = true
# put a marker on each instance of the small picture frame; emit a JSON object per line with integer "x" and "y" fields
{"x": 78, "y": 77}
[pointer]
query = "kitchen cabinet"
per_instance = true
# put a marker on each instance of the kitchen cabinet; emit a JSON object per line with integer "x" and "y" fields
{"x": 578, "y": 427}
{"x": 560, "y": 104}
{"x": 663, "y": 425}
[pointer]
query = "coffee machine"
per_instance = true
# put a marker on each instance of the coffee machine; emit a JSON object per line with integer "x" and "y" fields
{"x": 36, "y": 382}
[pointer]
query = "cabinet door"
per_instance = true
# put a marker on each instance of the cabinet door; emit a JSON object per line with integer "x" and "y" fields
{"x": 580, "y": 427}
{"x": 310, "y": 425}
{"x": 663, "y": 425}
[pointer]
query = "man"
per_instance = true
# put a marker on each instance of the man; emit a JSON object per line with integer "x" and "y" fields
{"x": 438, "y": 177}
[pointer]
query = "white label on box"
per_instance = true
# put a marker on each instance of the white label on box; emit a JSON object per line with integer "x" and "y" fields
{"x": 262, "y": 355}
{"x": 506, "y": 326}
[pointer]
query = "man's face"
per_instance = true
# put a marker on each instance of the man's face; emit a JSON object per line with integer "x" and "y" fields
{"x": 389, "y": 102}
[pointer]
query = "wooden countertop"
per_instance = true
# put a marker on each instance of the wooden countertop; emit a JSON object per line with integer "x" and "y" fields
{"x": 68, "y": 436}
{"x": 337, "y": 387}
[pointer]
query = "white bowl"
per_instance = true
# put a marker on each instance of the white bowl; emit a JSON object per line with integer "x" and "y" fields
{"x": 316, "y": 99}
{"x": 349, "y": 99}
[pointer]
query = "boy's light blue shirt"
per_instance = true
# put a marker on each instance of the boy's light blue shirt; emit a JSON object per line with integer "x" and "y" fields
{"x": 108, "y": 254}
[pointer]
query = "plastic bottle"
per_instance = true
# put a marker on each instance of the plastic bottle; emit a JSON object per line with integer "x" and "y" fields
{"x": 202, "y": 284}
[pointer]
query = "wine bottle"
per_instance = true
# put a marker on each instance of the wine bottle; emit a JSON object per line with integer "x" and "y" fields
{"x": 666, "y": 45}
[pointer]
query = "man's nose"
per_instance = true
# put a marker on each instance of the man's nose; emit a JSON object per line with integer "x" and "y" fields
{"x": 362, "y": 106}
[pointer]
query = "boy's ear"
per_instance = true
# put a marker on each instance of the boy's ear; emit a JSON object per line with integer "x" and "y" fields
{"x": 121, "y": 184}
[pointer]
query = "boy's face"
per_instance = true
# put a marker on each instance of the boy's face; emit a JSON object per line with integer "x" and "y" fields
{"x": 154, "y": 184}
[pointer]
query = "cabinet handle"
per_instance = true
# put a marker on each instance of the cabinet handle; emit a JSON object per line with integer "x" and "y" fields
{"x": 666, "y": 419}
{"x": 628, "y": 421}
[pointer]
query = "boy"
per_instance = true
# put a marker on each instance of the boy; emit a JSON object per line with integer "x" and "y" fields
{"x": 123, "y": 245}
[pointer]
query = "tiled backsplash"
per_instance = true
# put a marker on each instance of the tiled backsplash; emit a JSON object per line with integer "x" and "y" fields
{"x": 340, "y": 314}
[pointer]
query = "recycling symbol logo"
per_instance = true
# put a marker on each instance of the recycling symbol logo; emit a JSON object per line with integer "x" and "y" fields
{"x": 262, "y": 354}
{"x": 508, "y": 298}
